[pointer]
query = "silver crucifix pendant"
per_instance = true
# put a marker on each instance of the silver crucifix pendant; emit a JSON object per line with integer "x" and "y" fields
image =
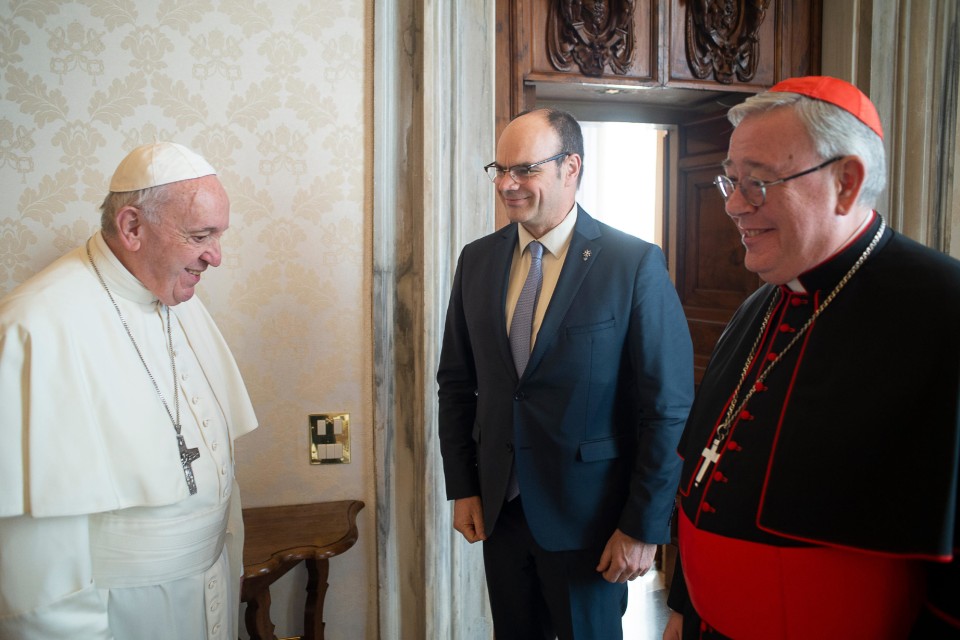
{"x": 708, "y": 457}
{"x": 187, "y": 456}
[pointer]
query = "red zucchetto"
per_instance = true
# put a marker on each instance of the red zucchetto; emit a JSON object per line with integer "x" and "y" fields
{"x": 837, "y": 92}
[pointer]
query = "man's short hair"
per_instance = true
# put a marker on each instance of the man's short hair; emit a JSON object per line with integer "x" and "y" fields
{"x": 150, "y": 202}
{"x": 567, "y": 129}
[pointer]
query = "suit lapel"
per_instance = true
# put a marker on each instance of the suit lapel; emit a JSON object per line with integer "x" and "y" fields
{"x": 585, "y": 247}
{"x": 501, "y": 261}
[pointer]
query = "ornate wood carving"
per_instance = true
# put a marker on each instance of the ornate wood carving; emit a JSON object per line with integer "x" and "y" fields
{"x": 592, "y": 33}
{"x": 722, "y": 38}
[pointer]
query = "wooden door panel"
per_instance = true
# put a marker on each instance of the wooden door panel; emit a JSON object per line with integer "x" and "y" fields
{"x": 714, "y": 275}
{"x": 613, "y": 41}
{"x": 711, "y": 279}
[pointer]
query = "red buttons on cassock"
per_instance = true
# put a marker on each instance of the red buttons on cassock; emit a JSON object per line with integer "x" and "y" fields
{"x": 734, "y": 446}
{"x": 719, "y": 477}
{"x": 771, "y": 357}
{"x": 707, "y": 508}
{"x": 746, "y": 415}
{"x": 759, "y": 386}
{"x": 795, "y": 301}
{"x": 785, "y": 328}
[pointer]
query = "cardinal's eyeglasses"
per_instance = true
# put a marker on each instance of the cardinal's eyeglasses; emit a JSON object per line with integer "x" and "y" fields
{"x": 754, "y": 191}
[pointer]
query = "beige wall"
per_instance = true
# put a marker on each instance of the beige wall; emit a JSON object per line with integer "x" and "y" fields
{"x": 277, "y": 95}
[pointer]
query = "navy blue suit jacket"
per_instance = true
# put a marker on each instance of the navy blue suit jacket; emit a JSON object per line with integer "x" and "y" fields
{"x": 595, "y": 419}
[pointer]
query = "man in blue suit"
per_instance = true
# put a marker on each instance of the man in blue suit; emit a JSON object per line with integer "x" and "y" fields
{"x": 559, "y": 449}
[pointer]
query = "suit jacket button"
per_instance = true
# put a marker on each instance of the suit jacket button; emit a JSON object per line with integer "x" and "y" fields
{"x": 520, "y": 395}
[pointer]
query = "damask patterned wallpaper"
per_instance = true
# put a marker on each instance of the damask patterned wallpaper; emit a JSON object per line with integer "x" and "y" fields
{"x": 277, "y": 96}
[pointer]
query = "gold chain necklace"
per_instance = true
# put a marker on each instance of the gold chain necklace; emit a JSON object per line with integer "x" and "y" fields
{"x": 710, "y": 455}
{"x": 187, "y": 456}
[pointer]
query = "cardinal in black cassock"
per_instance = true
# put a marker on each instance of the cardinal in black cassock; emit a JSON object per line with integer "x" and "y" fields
{"x": 819, "y": 491}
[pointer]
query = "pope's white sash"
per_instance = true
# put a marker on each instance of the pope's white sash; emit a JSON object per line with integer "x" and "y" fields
{"x": 134, "y": 552}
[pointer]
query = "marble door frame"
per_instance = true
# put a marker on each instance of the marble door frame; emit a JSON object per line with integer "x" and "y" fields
{"x": 904, "y": 55}
{"x": 433, "y": 132}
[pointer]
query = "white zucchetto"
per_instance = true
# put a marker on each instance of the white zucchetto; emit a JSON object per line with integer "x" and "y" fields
{"x": 152, "y": 165}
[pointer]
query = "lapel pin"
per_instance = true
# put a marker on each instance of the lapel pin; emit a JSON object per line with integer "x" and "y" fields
{"x": 586, "y": 254}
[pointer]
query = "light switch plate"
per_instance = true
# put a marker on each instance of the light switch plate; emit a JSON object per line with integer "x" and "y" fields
{"x": 329, "y": 438}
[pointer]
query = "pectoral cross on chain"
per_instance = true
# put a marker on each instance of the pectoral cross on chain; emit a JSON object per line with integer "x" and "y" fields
{"x": 187, "y": 456}
{"x": 709, "y": 457}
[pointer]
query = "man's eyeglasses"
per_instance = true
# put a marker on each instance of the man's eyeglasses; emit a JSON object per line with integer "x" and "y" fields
{"x": 519, "y": 173}
{"x": 754, "y": 191}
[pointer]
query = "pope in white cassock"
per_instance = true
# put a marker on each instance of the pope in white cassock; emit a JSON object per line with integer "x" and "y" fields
{"x": 119, "y": 405}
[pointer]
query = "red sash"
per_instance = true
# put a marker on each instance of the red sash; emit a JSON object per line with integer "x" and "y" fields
{"x": 748, "y": 590}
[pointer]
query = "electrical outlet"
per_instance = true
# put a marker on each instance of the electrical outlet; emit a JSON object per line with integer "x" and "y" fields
{"x": 329, "y": 438}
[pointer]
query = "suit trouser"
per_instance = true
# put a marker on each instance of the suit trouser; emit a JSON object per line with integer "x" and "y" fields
{"x": 547, "y": 594}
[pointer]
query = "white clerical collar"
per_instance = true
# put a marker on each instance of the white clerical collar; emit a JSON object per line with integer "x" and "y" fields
{"x": 795, "y": 286}
{"x": 121, "y": 282}
{"x": 556, "y": 240}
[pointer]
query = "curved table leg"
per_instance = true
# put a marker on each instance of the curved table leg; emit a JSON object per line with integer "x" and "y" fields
{"x": 318, "y": 572}
{"x": 257, "y": 616}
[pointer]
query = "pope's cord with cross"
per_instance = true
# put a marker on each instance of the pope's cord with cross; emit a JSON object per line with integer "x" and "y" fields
{"x": 709, "y": 457}
{"x": 187, "y": 456}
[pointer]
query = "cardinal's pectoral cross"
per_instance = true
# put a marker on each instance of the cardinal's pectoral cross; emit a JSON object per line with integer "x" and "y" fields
{"x": 187, "y": 456}
{"x": 708, "y": 457}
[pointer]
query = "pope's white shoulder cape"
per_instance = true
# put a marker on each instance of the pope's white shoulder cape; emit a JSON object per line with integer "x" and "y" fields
{"x": 81, "y": 430}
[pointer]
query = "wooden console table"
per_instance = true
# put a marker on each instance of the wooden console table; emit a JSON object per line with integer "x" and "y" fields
{"x": 279, "y": 538}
